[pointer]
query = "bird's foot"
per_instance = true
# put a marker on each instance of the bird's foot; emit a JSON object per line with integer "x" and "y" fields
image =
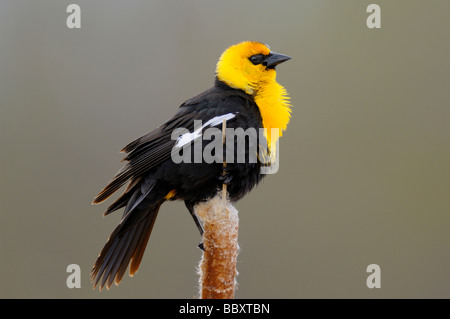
{"x": 226, "y": 177}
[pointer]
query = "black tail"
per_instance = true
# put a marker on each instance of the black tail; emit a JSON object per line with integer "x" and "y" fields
{"x": 125, "y": 245}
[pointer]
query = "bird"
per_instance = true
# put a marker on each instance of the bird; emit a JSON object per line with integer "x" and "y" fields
{"x": 246, "y": 95}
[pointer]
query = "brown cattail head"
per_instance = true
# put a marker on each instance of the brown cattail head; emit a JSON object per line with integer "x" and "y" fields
{"x": 217, "y": 267}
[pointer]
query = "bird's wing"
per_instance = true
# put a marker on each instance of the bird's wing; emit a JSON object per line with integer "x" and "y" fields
{"x": 150, "y": 150}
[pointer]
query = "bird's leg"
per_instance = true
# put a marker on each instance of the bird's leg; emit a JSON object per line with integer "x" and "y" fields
{"x": 197, "y": 221}
{"x": 190, "y": 207}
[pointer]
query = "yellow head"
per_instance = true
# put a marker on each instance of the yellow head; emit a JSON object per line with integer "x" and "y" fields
{"x": 248, "y": 66}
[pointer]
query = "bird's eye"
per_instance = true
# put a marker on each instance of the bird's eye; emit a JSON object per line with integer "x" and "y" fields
{"x": 257, "y": 59}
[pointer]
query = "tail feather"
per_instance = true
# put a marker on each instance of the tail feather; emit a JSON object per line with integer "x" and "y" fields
{"x": 125, "y": 197}
{"x": 126, "y": 245}
{"x": 122, "y": 201}
{"x": 138, "y": 253}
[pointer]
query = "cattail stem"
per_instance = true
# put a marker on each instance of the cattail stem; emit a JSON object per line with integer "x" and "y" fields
{"x": 224, "y": 186}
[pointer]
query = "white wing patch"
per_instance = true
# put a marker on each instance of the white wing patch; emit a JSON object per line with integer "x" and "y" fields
{"x": 190, "y": 137}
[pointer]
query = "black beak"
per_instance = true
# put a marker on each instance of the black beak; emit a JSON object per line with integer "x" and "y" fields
{"x": 274, "y": 59}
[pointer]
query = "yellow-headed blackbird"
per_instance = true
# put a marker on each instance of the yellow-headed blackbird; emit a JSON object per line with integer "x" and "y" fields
{"x": 246, "y": 95}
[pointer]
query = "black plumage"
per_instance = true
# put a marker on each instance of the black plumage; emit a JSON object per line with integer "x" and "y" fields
{"x": 151, "y": 175}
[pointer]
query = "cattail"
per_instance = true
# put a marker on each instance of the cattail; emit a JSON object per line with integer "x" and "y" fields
{"x": 217, "y": 267}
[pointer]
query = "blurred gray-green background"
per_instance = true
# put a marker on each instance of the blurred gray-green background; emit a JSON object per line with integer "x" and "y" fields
{"x": 364, "y": 166}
